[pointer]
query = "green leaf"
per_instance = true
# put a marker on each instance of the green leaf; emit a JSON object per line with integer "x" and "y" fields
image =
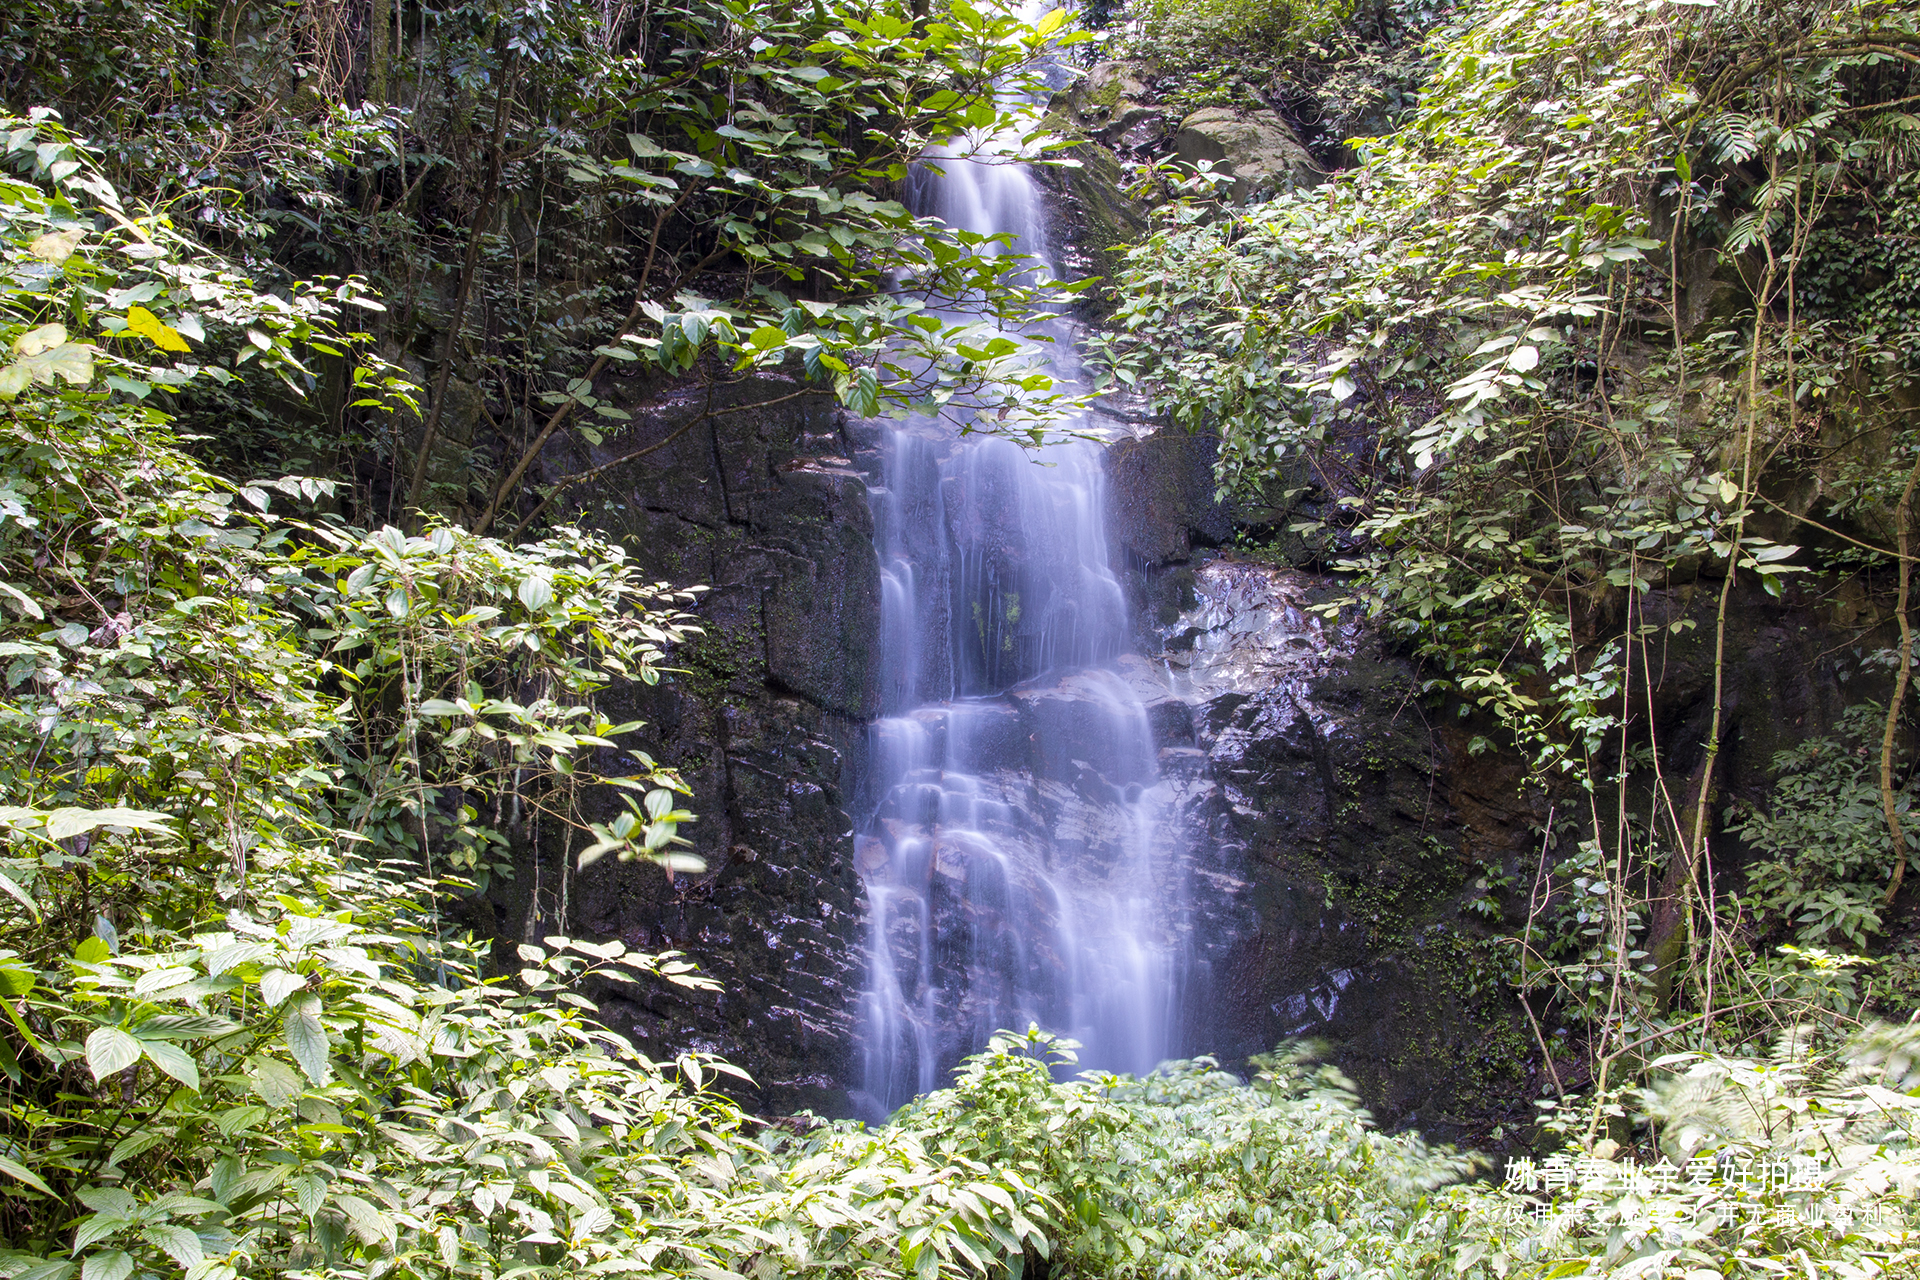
{"x": 27, "y": 605}
{"x": 12, "y": 888}
{"x": 63, "y": 823}
{"x": 767, "y": 337}
{"x": 114, "y": 1264}
{"x": 236, "y": 1119}
{"x": 176, "y": 1242}
{"x": 310, "y": 1192}
{"x": 14, "y": 1169}
{"x": 371, "y": 1225}
{"x": 112, "y": 1218}
{"x": 183, "y": 1027}
{"x": 307, "y": 1038}
{"x": 110, "y": 1049}
{"x": 277, "y": 984}
{"x": 70, "y": 360}
{"x": 157, "y": 980}
{"x": 536, "y": 591}
{"x": 274, "y": 1082}
{"x": 175, "y": 1061}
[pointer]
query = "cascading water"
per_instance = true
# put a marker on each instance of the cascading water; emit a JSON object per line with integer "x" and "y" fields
{"x": 1015, "y": 850}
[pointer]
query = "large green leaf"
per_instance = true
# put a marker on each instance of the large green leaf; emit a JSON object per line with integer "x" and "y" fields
{"x": 307, "y": 1038}
{"x": 277, "y": 984}
{"x": 14, "y": 1169}
{"x": 175, "y": 1061}
{"x": 72, "y": 361}
{"x": 177, "y": 1242}
{"x": 63, "y": 823}
{"x": 183, "y": 1026}
{"x": 110, "y": 1049}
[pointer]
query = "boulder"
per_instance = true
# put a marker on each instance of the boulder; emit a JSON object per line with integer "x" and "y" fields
{"x": 1160, "y": 497}
{"x": 1112, "y": 101}
{"x": 1260, "y": 150}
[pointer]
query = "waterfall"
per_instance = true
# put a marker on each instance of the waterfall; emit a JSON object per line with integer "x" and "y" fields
{"x": 1013, "y": 833}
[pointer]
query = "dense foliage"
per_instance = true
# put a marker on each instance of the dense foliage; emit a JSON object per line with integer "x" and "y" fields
{"x": 257, "y": 739}
{"x": 701, "y": 191}
{"x": 1553, "y": 359}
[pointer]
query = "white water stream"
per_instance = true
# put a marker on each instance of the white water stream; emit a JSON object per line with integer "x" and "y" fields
{"x": 1013, "y": 844}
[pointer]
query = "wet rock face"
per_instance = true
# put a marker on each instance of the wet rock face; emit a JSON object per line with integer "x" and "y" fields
{"x": 1291, "y": 774}
{"x": 1336, "y": 867}
{"x": 1160, "y": 498}
{"x": 1331, "y": 785}
{"x": 765, "y": 721}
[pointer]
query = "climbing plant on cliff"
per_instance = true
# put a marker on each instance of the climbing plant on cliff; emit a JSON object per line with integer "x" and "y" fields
{"x": 1539, "y": 357}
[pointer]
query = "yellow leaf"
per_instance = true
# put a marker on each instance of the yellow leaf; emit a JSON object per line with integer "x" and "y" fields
{"x": 57, "y": 246}
{"x": 150, "y": 327}
{"x": 45, "y": 338}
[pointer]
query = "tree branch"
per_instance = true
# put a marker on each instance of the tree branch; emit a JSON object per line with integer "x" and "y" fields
{"x": 1903, "y": 518}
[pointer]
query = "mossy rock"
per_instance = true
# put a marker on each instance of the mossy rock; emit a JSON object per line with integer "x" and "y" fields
{"x": 1259, "y": 149}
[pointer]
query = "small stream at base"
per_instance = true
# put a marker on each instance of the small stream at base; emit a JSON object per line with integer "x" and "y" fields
{"x": 1015, "y": 836}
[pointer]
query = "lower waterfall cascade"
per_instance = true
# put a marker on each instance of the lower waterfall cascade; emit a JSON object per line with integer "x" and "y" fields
{"x": 1014, "y": 839}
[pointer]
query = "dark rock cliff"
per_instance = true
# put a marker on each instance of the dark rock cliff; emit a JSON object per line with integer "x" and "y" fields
{"x": 1378, "y": 848}
{"x": 1349, "y": 854}
{"x": 1329, "y": 798}
{"x": 764, "y": 717}
{"x": 1352, "y": 856}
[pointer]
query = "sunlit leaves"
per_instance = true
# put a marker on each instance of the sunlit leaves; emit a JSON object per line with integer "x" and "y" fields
{"x": 149, "y": 326}
{"x": 110, "y": 1050}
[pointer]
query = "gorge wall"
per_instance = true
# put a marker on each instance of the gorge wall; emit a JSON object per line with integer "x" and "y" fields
{"x": 1330, "y": 861}
{"x": 1352, "y": 856}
